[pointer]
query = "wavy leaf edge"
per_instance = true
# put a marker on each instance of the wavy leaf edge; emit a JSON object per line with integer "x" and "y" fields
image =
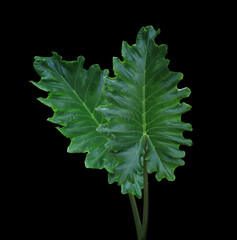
{"x": 70, "y": 112}
{"x": 111, "y": 87}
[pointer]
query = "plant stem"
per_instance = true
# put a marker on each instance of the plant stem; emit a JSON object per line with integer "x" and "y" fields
{"x": 142, "y": 228}
{"x": 145, "y": 204}
{"x": 135, "y": 215}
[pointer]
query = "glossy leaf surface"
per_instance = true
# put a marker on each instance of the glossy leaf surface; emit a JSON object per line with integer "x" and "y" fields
{"x": 74, "y": 93}
{"x": 144, "y": 114}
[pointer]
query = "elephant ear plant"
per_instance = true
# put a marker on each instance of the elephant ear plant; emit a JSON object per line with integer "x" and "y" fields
{"x": 129, "y": 124}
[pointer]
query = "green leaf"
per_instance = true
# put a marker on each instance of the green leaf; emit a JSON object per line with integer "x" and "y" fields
{"x": 144, "y": 114}
{"x": 74, "y": 93}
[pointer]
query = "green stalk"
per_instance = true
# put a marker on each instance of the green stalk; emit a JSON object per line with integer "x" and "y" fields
{"x": 135, "y": 215}
{"x": 145, "y": 204}
{"x": 141, "y": 228}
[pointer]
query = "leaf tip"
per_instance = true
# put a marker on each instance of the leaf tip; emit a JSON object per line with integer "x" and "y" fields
{"x": 33, "y": 82}
{"x": 112, "y": 178}
{"x": 55, "y": 55}
{"x": 181, "y": 76}
{"x": 188, "y": 107}
{"x": 190, "y": 142}
{"x": 70, "y": 148}
{"x": 42, "y": 100}
{"x": 91, "y": 164}
{"x": 60, "y": 129}
{"x": 157, "y": 32}
{"x": 106, "y": 73}
{"x": 115, "y": 59}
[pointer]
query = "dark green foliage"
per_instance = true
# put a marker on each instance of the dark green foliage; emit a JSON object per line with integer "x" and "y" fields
{"x": 122, "y": 121}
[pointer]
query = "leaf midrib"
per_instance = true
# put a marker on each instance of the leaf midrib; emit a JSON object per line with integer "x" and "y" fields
{"x": 85, "y": 106}
{"x": 144, "y": 92}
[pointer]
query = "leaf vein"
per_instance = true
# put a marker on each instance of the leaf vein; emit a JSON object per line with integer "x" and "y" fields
{"x": 80, "y": 100}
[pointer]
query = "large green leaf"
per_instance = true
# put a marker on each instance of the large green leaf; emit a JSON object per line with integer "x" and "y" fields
{"x": 74, "y": 93}
{"x": 144, "y": 114}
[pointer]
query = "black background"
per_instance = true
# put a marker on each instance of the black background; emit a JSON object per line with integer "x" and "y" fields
{"x": 52, "y": 193}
